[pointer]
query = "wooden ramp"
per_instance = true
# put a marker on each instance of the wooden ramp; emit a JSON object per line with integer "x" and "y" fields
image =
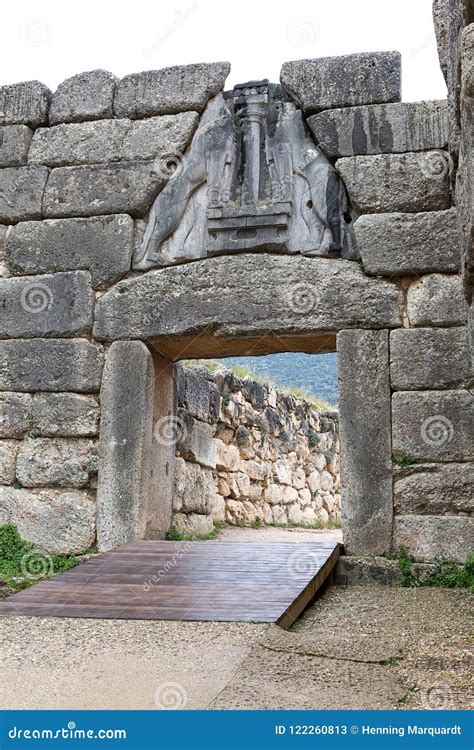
{"x": 159, "y": 580}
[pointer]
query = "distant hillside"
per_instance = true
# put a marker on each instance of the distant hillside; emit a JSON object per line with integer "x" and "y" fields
{"x": 315, "y": 373}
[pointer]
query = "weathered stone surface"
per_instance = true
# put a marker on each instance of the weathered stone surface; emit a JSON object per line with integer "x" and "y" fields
{"x": 15, "y": 414}
{"x": 406, "y": 244}
{"x": 429, "y": 358}
{"x": 464, "y": 178}
{"x": 115, "y": 140}
{"x": 196, "y": 442}
{"x": 427, "y": 537}
{"x": 198, "y": 395}
{"x": 14, "y": 144}
{"x": 440, "y": 20}
{"x": 397, "y": 182}
{"x": 193, "y": 524}
{"x": 194, "y": 489}
{"x": 436, "y": 300}
{"x": 434, "y": 425}
{"x": 346, "y": 81}
{"x": 65, "y": 415}
{"x": 59, "y": 304}
{"x": 435, "y": 489}
{"x": 125, "y": 187}
{"x": 126, "y": 399}
{"x": 8, "y": 454}
{"x": 281, "y": 294}
{"x": 86, "y": 96}
{"x": 54, "y": 520}
{"x": 181, "y": 88}
{"x": 60, "y": 462}
{"x": 50, "y": 365}
{"x": 21, "y": 193}
{"x": 366, "y": 463}
{"x": 103, "y": 245}
{"x": 24, "y": 103}
{"x": 382, "y": 128}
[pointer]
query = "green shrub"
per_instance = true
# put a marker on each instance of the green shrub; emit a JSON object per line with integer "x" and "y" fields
{"x": 446, "y": 574}
{"x": 21, "y": 564}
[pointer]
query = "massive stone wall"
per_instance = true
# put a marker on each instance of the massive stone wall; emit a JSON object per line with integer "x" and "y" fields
{"x": 79, "y": 170}
{"x": 248, "y": 453}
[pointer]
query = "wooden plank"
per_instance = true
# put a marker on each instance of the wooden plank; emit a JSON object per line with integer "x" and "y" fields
{"x": 221, "y": 581}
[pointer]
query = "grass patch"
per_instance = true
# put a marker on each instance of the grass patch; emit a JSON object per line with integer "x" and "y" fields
{"x": 404, "y": 461}
{"x": 22, "y": 565}
{"x": 446, "y": 575}
{"x": 176, "y": 535}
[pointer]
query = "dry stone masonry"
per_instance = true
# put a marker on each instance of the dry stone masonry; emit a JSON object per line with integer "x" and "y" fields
{"x": 100, "y": 183}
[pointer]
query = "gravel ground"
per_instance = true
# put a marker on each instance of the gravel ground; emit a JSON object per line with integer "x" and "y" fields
{"x": 356, "y": 647}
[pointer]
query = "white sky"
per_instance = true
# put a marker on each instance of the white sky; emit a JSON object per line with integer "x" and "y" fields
{"x": 50, "y": 40}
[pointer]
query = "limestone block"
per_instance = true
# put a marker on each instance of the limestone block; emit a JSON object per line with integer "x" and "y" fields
{"x": 61, "y": 462}
{"x": 273, "y": 494}
{"x": 427, "y": 537}
{"x": 435, "y": 489}
{"x": 279, "y": 515}
{"x": 314, "y": 481}
{"x": 15, "y": 414}
{"x": 429, "y": 358}
{"x": 59, "y": 304}
{"x": 50, "y": 365}
{"x": 21, "y": 191}
{"x": 295, "y": 513}
{"x": 65, "y": 415}
{"x": 257, "y": 470}
{"x": 102, "y": 245}
{"x": 327, "y": 482}
{"x": 218, "y": 509}
{"x": 381, "y": 128}
{"x": 309, "y": 516}
{"x": 304, "y": 497}
{"x": 194, "y": 488}
{"x": 124, "y": 187}
{"x": 397, "y": 182}
{"x": 365, "y": 420}
{"x": 14, "y": 144}
{"x": 346, "y": 81}
{"x": 59, "y": 521}
{"x": 433, "y": 425}
{"x": 195, "y": 440}
{"x": 290, "y": 495}
{"x": 319, "y": 460}
{"x": 298, "y": 478}
{"x": 400, "y": 244}
{"x": 24, "y": 103}
{"x": 255, "y": 492}
{"x": 126, "y": 399}
{"x": 227, "y": 456}
{"x": 436, "y": 300}
{"x": 323, "y": 515}
{"x": 177, "y": 89}
{"x": 196, "y": 395}
{"x": 282, "y": 471}
{"x": 86, "y": 96}
{"x": 8, "y": 453}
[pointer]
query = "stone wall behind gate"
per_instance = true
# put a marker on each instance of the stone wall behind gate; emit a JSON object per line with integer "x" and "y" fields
{"x": 78, "y": 172}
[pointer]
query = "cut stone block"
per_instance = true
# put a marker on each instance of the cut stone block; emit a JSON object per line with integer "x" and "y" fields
{"x": 65, "y": 415}
{"x": 61, "y": 462}
{"x": 427, "y": 537}
{"x": 398, "y": 244}
{"x": 346, "y": 81}
{"x": 15, "y": 414}
{"x": 195, "y": 440}
{"x": 381, "y": 128}
{"x": 435, "y": 489}
{"x": 125, "y": 187}
{"x": 366, "y": 462}
{"x": 194, "y": 489}
{"x": 436, "y": 300}
{"x": 193, "y": 524}
{"x": 433, "y": 425}
{"x": 86, "y": 96}
{"x": 24, "y": 104}
{"x": 8, "y": 453}
{"x": 181, "y": 88}
{"x": 14, "y": 145}
{"x": 397, "y": 182}
{"x": 103, "y": 245}
{"x": 50, "y": 365}
{"x": 21, "y": 193}
{"x": 429, "y": 358}
{"x": 59, "y": 304}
